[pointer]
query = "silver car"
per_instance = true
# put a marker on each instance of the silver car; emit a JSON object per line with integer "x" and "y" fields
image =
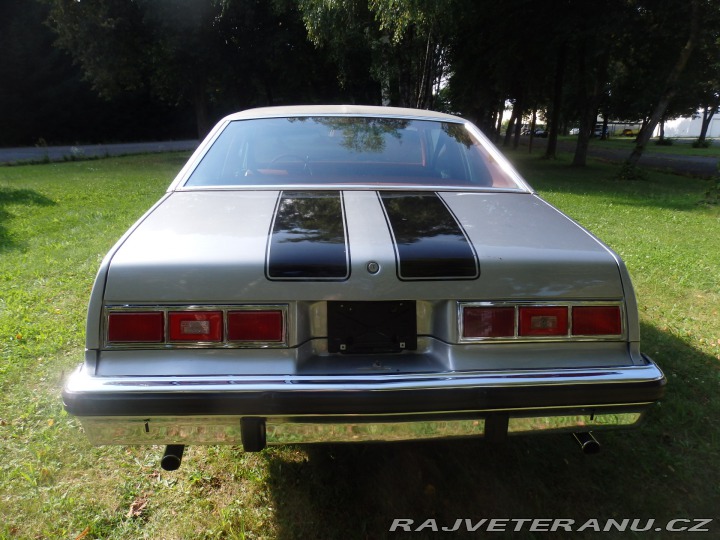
{"x": 344, "y": 273}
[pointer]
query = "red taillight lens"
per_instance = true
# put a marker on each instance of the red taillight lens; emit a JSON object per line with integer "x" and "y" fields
{"x": 483, "y": 322}
{"x": 596, "y": 321}
{"x": 543, "y": 321}
{"x": 255, "y": 325}
{"x": 136, "y": 327}
{"x": 195, "y": 325}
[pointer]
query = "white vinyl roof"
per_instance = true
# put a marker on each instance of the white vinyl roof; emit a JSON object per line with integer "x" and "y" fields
{"x": 360, "y": 110}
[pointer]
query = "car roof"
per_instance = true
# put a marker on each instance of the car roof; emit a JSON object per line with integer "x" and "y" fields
{"x": 347, "y": 110}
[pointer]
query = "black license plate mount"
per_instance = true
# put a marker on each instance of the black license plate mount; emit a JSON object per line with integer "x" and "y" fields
{"x": 372, "y": 327}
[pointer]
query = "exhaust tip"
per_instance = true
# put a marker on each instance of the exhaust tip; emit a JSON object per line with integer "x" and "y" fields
{"x": 172, "y": 458}
{"x": 587, "y": 442}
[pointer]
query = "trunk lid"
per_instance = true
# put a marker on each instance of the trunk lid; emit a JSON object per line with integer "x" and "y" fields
{"x": 271, "y": 246}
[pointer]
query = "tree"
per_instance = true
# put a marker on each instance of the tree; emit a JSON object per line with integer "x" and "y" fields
{"x": 419, "y": 34}
{"x": 268, "y": 59}
{"x": 594, "y": 40}
{"x": 124, "y": 46}
{"x": 403, "y": 42}
{"x": 217, "y": 54}
{"x": 473, "y": 85}
{"x": 43, "y": 99}
{"x": 348, "y": 34}
{"x": 567, "y": 58}
{"x": 704, "y": 70}
{"x": 668, "y": 88}
{"x": 593, "y": 63}
{"x": 494, "y": 60}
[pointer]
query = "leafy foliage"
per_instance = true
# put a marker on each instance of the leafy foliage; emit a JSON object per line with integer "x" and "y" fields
{"x": 629, "y": 172}
{"x": 44, "y": 99}
{"x": 472, "y": 57}
{"x": 701, "y": 143}
{"x": 208, "y": 53}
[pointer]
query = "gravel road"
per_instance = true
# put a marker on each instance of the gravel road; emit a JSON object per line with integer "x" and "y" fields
{"x": 62, "y": 153}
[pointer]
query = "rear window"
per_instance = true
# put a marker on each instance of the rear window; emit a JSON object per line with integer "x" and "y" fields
{"x": 347, "y": 151}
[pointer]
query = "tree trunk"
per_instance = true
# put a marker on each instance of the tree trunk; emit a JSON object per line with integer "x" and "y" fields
{"x": 591, "y": 92}
{"x": 708, "y": 112}
{"x": 532, "y": 130}
{"x": 551, "y": 149}
{"x": 511, "y": 124}
{"x": 587, "y": 124}
{"x": 202, "y": 119}
{"x": 518, "y": 126}
{"x": 670, "y": 87}
{"x": 642, "y": 126}
{"x": 498, "y": 129}
{"x": 268, "y": 92}
{"x": 429, "y": 72}
{"x": 593, "y": 65}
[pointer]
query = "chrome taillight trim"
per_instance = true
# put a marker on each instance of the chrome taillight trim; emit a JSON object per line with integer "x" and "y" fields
{"x": 167, "y": 343}
{"x": 516, "y": 338}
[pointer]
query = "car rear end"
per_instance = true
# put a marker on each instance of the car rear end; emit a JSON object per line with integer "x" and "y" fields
{"x": 303, "y": 310}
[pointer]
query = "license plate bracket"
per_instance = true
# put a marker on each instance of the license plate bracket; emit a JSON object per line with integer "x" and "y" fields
{"x": 372, "y": 327}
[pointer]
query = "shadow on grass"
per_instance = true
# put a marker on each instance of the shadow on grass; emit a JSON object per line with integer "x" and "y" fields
{"x": 667, "y": 191}
{"x": 15, "y": 197}
{"x": 667, "y": 469}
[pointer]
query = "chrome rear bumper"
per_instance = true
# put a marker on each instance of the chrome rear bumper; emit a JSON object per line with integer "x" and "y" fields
{"x": 226, "y": 429}
{"x": 294, "y": 409}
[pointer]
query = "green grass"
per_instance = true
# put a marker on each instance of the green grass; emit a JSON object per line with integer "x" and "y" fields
{"x": 58, "y": 220}
{"x": 679, "y": 147}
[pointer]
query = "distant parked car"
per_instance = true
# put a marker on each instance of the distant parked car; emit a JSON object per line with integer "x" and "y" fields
{"x": 541, "y": 132}
{"x": 349, "y": 274}
{"x": 575, "y": 131}
{"x": 627, "y": 132}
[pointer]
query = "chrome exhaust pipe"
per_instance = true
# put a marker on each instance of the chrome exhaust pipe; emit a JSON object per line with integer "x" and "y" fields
{"x": 588, "y": 443}
{"x": 172, "y": 458}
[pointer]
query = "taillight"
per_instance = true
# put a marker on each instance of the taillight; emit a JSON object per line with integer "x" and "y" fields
{"x": 136, "y": 327}
{"x": 255, "y": 326}
{"x": 504, "y": 321}
{"x": 596, "y": 321}
{"x": 486, "y": 322}
{"x": 195, "y": 325}
{"x": 244, "y": 326}
{"x": 543, "y": 321}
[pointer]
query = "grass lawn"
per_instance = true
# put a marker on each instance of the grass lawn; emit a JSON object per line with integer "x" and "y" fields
{"x": 58, "y": 220}
{"x": 679, "y": 147}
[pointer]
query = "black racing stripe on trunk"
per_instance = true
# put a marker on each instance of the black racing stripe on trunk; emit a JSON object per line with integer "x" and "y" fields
{"x": 308, "y": 240}
{"x": 429, "y": 242}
